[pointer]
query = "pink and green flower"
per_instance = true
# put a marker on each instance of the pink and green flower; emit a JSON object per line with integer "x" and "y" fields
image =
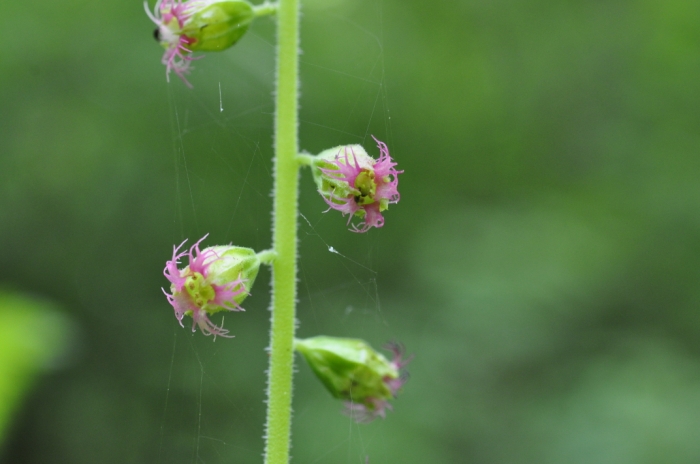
{"x": 354, "y": 183}
{"x": 197, "y": 25}
{"x": 351, "y": 370}
{"x": 216, "y": 279}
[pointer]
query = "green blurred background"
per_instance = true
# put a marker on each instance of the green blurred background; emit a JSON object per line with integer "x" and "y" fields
{"x": 543, "y": 263}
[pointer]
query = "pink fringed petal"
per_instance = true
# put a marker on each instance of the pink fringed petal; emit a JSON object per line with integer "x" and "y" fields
{"x": 200, "y": 261}
{"x": 367, "y": 411}
{"x": 177, "y": 59}
{"x": 177, "y": 56}
{"x": 398, "y": 351}
{"x": 344, "y": 171}
{"x": 386, "y": 176}
{"x": 371, "y": 408}
{"x": 171, "y": 272}
{"x": 399, "y": 361}
{"x": 201, "y": 319}
{"x": 180, "y": 304}
{"x": 373, "y": 218}
{"x": 170, "y": 10}
{"x": 226, "y": 294}
{"x": 344, "y": 205}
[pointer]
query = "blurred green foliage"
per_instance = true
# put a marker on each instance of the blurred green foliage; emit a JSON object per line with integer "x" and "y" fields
{"x": 33, "y": 337}
{"x": 543, "y": 262}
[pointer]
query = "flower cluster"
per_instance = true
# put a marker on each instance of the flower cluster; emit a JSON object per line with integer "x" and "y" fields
{"x": 354, "y": 183}
{"x": 353, "y": 371}
{"x": 216, "y": 279}
{"x": 197, "y": 25}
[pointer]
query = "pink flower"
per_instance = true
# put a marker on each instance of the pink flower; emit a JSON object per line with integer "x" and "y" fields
{"x": 213, "y": 281}
{"x": 367, "y": 409}
{"x": 359, "y": 185}
{"x": 170, "y": 18}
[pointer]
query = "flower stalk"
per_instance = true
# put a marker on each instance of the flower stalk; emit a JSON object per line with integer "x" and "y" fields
{"x": 284, "y": 266}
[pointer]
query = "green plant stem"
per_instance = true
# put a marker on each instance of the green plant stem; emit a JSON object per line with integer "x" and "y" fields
{"x": 284, "y": 267}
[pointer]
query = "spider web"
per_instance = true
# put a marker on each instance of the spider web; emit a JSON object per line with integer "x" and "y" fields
{"x": 214, "y": 407}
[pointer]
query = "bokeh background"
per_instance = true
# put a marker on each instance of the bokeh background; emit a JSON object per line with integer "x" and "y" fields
{"x": 543, "y": 263}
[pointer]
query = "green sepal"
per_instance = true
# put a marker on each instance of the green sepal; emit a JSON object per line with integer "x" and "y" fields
{"x": 219, "y": 25}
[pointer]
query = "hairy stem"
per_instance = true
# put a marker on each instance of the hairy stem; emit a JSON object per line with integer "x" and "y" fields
{"x": 284, "y": 267}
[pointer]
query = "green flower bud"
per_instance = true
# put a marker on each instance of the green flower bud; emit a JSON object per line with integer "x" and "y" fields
{"x": 353, "y": 371}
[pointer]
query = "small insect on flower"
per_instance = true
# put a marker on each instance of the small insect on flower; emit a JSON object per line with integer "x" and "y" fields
{"x": 354, "y": 183}
{"x": 197, "y": 25}
{"x": 353, "y": 371}
{"x": 216, "y": 279}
